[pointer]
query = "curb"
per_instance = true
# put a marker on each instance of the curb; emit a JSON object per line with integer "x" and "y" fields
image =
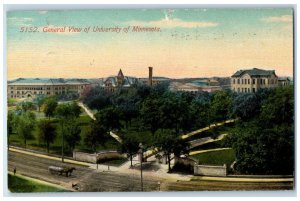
{"x": 50, "y": 157}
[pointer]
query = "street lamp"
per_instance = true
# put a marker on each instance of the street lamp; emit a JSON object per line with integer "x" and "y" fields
{"x": 140, "y": 152}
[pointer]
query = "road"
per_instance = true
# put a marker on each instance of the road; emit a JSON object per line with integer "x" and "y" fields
{"x": 91, "y": 180}
{"x": 88, "y": 180}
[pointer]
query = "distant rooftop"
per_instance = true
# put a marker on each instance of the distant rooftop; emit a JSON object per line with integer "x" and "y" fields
{"x": 47, "y": 81}
{"x": 254, "y": 72}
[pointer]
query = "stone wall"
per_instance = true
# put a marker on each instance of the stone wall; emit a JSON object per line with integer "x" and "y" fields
{"x": 93, "y": 158}
{"x": 85, "y": 157}
{"x": 210, "y": 170}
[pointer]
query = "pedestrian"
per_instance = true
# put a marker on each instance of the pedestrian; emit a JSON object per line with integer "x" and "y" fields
{"x": 15, "y": 170}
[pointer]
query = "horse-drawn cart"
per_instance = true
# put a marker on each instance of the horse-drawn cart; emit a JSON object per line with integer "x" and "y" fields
{"x": 61, "y": 170}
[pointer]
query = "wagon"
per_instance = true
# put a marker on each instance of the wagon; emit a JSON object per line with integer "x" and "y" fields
{"x": 61, "y": 170}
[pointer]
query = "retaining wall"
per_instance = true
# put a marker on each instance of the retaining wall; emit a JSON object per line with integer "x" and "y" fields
{"x": 94, "y": 157}
{"x": 210, "y": 170}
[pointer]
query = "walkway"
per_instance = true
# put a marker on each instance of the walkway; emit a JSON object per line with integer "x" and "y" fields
{"x": 205, "y": 140}
{"x": 87, "y": 110}
{"x": 207, "y": 150}
{"x": 92, "y": 116}
{"x": 207, "y": 128}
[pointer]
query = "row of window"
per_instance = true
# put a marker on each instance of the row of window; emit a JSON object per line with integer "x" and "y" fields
{"x": 47, "y": 88}
{"x": 259, "y": 81}
{"x": 244, "y": 90}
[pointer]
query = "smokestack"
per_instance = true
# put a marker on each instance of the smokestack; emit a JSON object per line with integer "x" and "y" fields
{"x": 150, "y": 76}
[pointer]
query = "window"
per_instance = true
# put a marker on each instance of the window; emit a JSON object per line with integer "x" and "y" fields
{"x": 238, "y": 81}
{"x": 264, "y": 81}
{"x": 12, "y": 92}
{"x": 253, "y": 81}
{"x": 11, "y": 87}
{"x": 248, "y": 90}
{"x": 233, "y": 81}
{"x": 253, "y": 90}
{"x": 245, "y": 90}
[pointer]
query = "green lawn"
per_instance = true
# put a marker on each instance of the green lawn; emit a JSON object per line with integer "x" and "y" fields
{"x": 18, "y": 184}
{"x": 216, "y": 157}
{"x": 55, "y": 148}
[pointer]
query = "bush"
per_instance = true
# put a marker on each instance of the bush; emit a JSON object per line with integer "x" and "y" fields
{"x": 182, "y": 168}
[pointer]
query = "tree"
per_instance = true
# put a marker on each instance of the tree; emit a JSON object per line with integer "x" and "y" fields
{"x": 278, "y": 107}
{"x": 26, "y": 105}
{"x": 130, "y": 146}
{"x": 67, "y": 113}
{"x": 264, "y": 144}
{"x": 150, "y": 113}
{"x": 39, "y": 101}
{"x": 174, "y": 112}
{"x": 246, "y": 105}
{"x": 73, "y": 134}
{"x": 50, "y": 106}
{"x": 11, "y": 119}
{"x": 96, "y": 98}
{"x": 109, "y": 118}
{"x": 220, "y": 106}
{"x": 46, "y": 132}
{"x": 169, "y": 142}
{"x": 25, "y": 125}
{"x": 96, "y": 135}
{"x": 199, "y": 111}
{"x": 263, "y": 151}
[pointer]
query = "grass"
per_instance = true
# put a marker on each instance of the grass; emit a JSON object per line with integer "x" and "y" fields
{"x": 211, "y": 145}
{"x": 18, "y": 184}
{"x": 114, "y": 162}
{"x": 216, "y": 157}
{"x": 55, "y": 148}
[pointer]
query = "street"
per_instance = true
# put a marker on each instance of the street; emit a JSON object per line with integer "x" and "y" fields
{"x": 91, "y": 180}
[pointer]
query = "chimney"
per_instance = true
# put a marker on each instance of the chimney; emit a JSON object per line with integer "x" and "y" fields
{"x": 150, "y": 76}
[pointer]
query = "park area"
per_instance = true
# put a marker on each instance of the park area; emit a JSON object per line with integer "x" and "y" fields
{"x": 21, "y": 184}
{"x": 214, "y": 128}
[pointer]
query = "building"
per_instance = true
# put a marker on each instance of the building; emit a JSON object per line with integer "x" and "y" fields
{"x": 251, "y": 80}
{"x": 284, "y": 81}
{"x": 152, "y": 80}
{"x": 201, "y": 85}
{"x": 30, "y": 87}
{"x": 120, "y": 81}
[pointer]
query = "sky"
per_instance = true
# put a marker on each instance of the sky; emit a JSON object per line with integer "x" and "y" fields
{"x": 189, "y": 42}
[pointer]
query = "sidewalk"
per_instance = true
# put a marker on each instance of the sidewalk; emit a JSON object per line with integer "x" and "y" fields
{"x": 28, "y": 152}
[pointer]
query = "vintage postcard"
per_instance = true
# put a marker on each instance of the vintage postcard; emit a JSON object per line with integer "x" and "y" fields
{"x": 151, "y": 100}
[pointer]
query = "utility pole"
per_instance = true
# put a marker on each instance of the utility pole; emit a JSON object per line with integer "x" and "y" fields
{"x": 141, "y": 160}
{"x": 62, "y": 147}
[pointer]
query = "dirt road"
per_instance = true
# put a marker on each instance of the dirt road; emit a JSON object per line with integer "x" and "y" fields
{"x": 91, "y": 180}
{"x": 88, "y": 180}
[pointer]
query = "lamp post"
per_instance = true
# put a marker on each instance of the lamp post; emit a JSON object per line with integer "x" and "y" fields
{"x": 140, "y": 152}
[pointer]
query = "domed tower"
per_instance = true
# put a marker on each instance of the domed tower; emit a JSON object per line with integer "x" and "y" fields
{"x": 120, "y": 78}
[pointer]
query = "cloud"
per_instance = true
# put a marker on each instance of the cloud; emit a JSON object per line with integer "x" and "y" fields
{"x": 283, "y": 18}
{"x": 174, "y": 23}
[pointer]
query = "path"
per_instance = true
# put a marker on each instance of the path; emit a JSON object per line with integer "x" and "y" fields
{"x": 87, "y": 110}
{"x": 207, "y": 150}
{"x": 92, "y": 116}
{"x": 205, "y": 140}
{"x": 207, "y": 128}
